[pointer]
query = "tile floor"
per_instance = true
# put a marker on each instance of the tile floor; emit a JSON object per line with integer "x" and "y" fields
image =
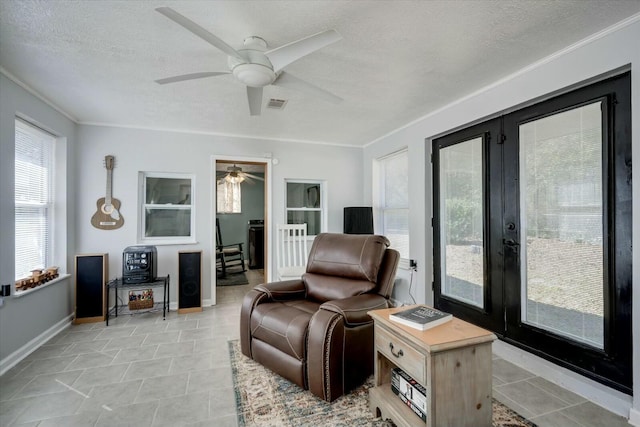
{"x": 143, "y": 371}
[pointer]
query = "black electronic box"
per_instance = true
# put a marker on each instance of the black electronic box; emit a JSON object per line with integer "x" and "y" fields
{"x": 139, "y": 264}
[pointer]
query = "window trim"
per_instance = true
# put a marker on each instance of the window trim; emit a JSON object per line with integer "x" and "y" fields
{"x": 165, "y": 240}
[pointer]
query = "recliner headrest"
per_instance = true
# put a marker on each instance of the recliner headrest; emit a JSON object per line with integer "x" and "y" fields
{"x": 353, "y": 256}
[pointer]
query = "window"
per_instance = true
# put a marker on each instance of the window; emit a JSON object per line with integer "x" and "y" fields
{"x": 229, "y": 195}
{"x": 167, "y": 213}
{"x": 532, "y": 228}
{"x": 34, "y": 160}
{"x": 306, "y": 204}
{"x": 393, "y": 200}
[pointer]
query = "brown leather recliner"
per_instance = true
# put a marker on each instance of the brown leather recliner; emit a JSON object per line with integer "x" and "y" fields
{"x": 315, "y": 331}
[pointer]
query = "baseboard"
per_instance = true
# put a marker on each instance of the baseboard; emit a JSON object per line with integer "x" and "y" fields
{"x": 173, "y": 306}
{"x": 634, "y": 417}
{"x": 17, "y": 356}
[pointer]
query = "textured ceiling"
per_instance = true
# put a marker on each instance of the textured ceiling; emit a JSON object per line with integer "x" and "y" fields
{"x": 397, "y": 61}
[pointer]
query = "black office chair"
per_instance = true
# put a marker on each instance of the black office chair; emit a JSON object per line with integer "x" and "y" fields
{"x": 227, "y": 256}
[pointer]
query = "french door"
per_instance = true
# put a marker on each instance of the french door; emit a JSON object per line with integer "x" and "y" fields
{"x": 532, "y": 228}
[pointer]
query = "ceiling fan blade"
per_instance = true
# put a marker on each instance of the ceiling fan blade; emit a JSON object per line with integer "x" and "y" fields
{"x": 287, "y": 80}
{"x": 284, "y": 55}
{"x": 191, "y": 76}
{"x": 254, "y": 95}
{"x": 253, "y": 176}
{"x": 199, "y": 31}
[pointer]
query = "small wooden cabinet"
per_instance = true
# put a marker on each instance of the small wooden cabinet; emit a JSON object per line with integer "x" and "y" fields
{"x": 452, "y": 361}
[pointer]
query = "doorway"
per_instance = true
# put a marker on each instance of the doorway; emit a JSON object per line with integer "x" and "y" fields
{"x": 532, "y": 229}
{"x": 241, "y": 204}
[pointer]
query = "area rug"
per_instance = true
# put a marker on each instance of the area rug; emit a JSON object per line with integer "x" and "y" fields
{"x": 232, "y": 279}
{"x": 264, "y": 399}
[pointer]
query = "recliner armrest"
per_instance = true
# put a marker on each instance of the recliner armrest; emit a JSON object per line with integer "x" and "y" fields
{"x": 285, "y": 290}
{"x": 354, "y": 309}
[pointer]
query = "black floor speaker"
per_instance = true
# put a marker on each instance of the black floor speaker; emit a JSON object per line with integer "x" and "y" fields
{"x": 358, "y": 220}
{"x": 189, "y": 281}
{"x": 92, "y": 271}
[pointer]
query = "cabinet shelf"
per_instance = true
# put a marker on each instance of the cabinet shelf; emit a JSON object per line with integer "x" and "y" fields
{"x": 400, "y": 413}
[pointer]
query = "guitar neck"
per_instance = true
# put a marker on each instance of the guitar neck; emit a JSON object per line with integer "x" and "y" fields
{"x": 107, "y": 198}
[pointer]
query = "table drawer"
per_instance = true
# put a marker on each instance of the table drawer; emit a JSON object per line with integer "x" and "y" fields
{"x": 401, "y": 354}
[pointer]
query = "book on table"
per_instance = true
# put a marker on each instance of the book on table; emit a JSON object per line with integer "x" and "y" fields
{"x": 421, "y": 317}
{"x": 410, "y": 392}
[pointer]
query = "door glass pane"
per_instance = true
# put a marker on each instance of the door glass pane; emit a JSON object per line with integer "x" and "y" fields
{"x": 461, "y": 232}
{"x": 562, "y": 219}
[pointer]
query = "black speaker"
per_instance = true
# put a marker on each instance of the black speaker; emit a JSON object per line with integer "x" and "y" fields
{"x": 91, "y": 276}
{"x": 358, "y": 220}
{"x": 189, "y": 281}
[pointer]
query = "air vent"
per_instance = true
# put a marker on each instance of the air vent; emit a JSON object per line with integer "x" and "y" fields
{"x": 277, "y": 104}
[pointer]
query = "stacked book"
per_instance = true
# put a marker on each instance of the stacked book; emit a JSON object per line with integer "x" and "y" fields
{"x": 410, "y": 392}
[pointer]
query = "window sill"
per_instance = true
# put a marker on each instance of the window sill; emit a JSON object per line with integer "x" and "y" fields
{"x": 61, "y": 278}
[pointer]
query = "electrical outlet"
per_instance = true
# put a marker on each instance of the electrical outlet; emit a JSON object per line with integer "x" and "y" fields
{"x": 413, "y": 264}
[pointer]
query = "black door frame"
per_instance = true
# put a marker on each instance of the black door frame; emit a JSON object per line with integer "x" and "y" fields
{"x": 491, "y": 315}
{"x": 611, "y": 365}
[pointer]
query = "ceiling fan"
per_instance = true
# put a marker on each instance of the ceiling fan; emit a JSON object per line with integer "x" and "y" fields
{"x": 256, "y": 66}
{"x": 235, "y": 174}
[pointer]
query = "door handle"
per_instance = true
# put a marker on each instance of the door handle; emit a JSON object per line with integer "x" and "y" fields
{"x": 511, "y": 244}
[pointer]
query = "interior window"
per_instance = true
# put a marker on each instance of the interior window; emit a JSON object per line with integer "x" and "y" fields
{"x": 167, "y": 209}
{"x": 306, "y": 204}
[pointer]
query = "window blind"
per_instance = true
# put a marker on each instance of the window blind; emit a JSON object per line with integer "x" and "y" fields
{"x": 229, "y": 195}
{"x": 34, "y": 156}
{"x": 395, "y": 201}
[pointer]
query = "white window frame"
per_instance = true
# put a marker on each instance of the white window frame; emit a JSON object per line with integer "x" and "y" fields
{"x": 322, "y": 208}
{"x": 381, "y": 205}
{"x": 46, "y": 257}
{"x": 165, "y": 240}
{"x": 225, "y": 206}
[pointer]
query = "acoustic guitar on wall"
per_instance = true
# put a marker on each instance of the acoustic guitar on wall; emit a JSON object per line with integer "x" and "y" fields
{"x": 107, "y": 216}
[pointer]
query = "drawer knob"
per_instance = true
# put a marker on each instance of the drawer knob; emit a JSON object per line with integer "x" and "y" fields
{"x": 398, "y": 354}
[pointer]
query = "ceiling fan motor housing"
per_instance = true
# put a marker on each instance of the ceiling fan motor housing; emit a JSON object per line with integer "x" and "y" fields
{"x": 257, "y": 70}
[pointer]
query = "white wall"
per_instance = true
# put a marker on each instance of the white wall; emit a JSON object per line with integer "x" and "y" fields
{"x": 29, "y": 320}
{"x": 614, "y": 48}
{"x": 164, "y": 151}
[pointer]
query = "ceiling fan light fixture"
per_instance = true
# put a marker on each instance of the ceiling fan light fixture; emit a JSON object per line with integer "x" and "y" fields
{"x": 234, "y": 178}
{"x": 254, "y": 75}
